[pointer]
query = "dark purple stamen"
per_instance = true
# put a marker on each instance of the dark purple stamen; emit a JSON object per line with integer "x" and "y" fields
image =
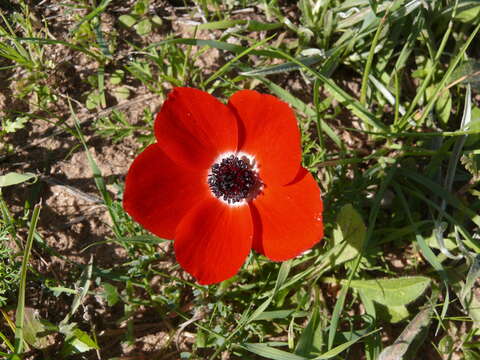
{"x": 233, "y": 179}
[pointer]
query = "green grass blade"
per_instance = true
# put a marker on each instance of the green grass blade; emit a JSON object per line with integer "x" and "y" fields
{"x": 441, "y": 192}
{"x": 441, "y": 85}
{"x": 97, "y": 175}
{"x": 250, "y": 25}
{"x": 407, "y": 49}
{"x": 270, "y": 352}
{"x": 216, "y": 44}
{"x": 7, "y": 342}
{"x": 94, "y": 13}
{"x": 371, "y": 54}
{"x": 60, "y": 42}
{"x": 341, "y": 348}
{"x": 457, "y": 149}
{"x": 393, "y": 100}
{"x": 285, "y": 67}
{"x": 281, "y": 278}
{"x": 451, "y": 171}
{"x": 424, "y": 248}
{"x": 83, "y": 285}
{"x": 302, "y": 107}
{"x": 225, "y": 67}
{"x": 341, "y": 96}
{"x": 20, "y": 313}
{"x": 248, "y": 318}
{"x": 305, "y": 342}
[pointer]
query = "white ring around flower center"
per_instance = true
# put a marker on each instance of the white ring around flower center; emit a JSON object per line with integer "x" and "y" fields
{"x": 250, "y": 160}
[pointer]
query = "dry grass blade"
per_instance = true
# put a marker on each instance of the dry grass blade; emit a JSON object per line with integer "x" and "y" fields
{"x": 411, "y": 337}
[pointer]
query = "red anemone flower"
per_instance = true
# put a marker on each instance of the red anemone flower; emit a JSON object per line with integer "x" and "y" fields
{"x": 223, "y": 179}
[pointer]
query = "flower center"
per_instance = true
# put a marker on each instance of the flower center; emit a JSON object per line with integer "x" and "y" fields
{"x": 234, "y": 179}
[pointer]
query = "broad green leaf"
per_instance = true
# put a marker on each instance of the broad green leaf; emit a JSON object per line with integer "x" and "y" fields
{"x": 83, "y": 342}
{"x": 76, "y": 340}
{"x": 467, "y": 73}
{"x": 443, "y": 106}
{"x": 11, "y": 126}
{"x": 117, "y": 77}
{"x": 392, "y": 314}
{"x": 141, "y": 7}
{"x": 127, "y": 20}
{"x": 348, "y": 236}
{"x": 469, "y": 14}
{"x": 411, "y": 337}
{"x": 121, "y": 93}
{"x": 33, "y": 328}
{"x": 445, "y": 345}
{"x": 157, "y": 20}
{"x": 111, "y": 294}
{"x": 449, "y": 241}
{"x": 93, "y": 100}
{"x": 201, "y": 338}
{"x": 392, "y": 292}
{"x": 15, "y": 178}
{"x": 144, "y": 27}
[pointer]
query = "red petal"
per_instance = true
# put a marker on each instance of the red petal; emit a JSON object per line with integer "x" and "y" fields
{"x": 288, "y": 219}
{"x": 158, "y": 192}
{"x": 213, "y": 240}
{"x": 194, "y": 128}
{"x": 268, "y": 130}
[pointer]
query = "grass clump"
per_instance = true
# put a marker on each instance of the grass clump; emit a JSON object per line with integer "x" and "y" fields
{"x": 8, "y": 270}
